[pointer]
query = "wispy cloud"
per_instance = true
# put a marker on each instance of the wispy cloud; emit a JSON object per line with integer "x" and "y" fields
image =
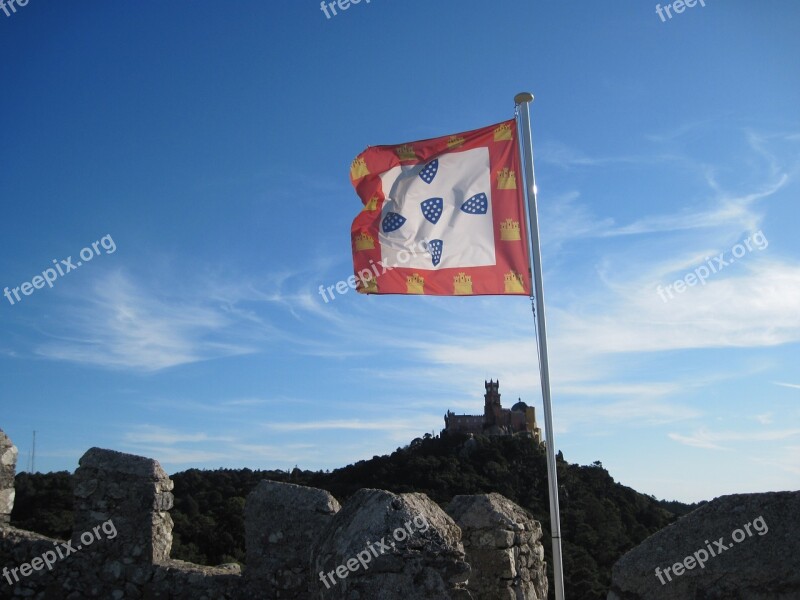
{"x": 153, "y": 434}
{"x": 698, "y": 440}
{"x": 764, "y": 419}
{"x": 172, "y": 446}
{"x": 347, "y": 424}
{"x": 566, "y": 157}
{"x": 704, "y": 317}
{"x": 120, "y": 325}
{"x": 567, "y": 219}
{"x": 620, "y": 413}
{"x": 248, "y": 402}
{"x": 789, "y": 385}
{"x": 728, "y": 210}
{"x": 786, "y": 458}
{"x": 703, "y": 438}
{"x": 680, "y": 131}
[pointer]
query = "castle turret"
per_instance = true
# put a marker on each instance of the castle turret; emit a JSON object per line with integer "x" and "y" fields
{"x": 492, "y": 410}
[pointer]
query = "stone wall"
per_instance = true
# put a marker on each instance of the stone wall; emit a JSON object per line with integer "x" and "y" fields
{"x": 135, "y": 494}
{"x": 120, "y": 543}
{"x": 283, "y": 520}
{"x": 8, "y": 465}
{"x": 503, "y": 545}
{"x": 300, "y": 544}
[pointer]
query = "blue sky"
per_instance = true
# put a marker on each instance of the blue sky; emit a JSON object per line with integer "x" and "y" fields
{"x": 212, "y": 145}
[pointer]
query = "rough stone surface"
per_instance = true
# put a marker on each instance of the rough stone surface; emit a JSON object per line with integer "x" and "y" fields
{"x": 762, "y": 565}
{"x": 410, "y": 548}
{"x": 503, "y": 546}
{"x": 283, "y": 521}
{"x": 133, "y": 494}
{"x": 8, "y": 468}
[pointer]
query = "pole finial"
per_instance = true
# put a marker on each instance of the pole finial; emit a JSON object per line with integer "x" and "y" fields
{"x": 523, "y": 97}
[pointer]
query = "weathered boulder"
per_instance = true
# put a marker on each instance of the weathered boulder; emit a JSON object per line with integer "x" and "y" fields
{"x": 739, "y": 547}
{"x": 385, "y": 546}
{"x": 8, "y": 467}
{"x": 503, "y": 546}
{"x": 283, "y": 520}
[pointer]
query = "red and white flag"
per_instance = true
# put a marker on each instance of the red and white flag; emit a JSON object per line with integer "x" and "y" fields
{"x": 442, "y": 217}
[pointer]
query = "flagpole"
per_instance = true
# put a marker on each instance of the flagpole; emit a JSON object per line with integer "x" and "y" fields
{"x": 523, "y": 101}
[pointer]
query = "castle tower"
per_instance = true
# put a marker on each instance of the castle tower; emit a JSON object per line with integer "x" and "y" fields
{"x": 492, "y": 409}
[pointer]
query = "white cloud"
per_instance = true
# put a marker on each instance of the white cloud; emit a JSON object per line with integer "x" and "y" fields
{"x": 348, "y": 424}
{"x": 564, "y": 218}
{"x": 789, "y": 385}
{"x": 786, "y": 459}
{"x": 121, "y": 325}
{"x": 696, "y": 440}
{"x": 153, "y": 434}
{"x": 602, "y": 414}
{"x": 764, "y": 419}
{"x": 565, "y": 157}
{"x": 635, "y": 319}
{"x": 170, "y": 446}
{"x": 727, "y": 211}
{"x": 703, "y": 438}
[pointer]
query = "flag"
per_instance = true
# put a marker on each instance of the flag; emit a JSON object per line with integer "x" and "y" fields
{"x": 442, "y": 217}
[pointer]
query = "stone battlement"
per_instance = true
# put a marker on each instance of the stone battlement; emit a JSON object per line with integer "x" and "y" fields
{"x": 301, "y": 543}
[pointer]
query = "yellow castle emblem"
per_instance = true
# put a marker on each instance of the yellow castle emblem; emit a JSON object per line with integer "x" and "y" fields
{"x": 509, "y": 231}
{"x": 462, "y": 284}
{"x": 364, "y": 241}
{"x": 502, "y": 133}
{"x": 513, "y": 283}
{"x": 372, "y": 204}
{"x": 368, "y": 286}
{"x": 506, "y": 179}
{"x": 405, "y": 152}
{"x": 415, "y": 284}
{"x": 454, "y": 141}
{"x": 358, "y": 169}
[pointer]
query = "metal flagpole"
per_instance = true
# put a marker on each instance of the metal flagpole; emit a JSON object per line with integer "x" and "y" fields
{"x": 523, "y": 101}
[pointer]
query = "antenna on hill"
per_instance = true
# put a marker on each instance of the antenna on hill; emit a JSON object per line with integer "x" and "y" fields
{"x": 32, "y": 457}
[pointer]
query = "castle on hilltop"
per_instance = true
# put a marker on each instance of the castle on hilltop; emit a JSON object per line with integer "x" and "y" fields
{"x": 496, "y": 420}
